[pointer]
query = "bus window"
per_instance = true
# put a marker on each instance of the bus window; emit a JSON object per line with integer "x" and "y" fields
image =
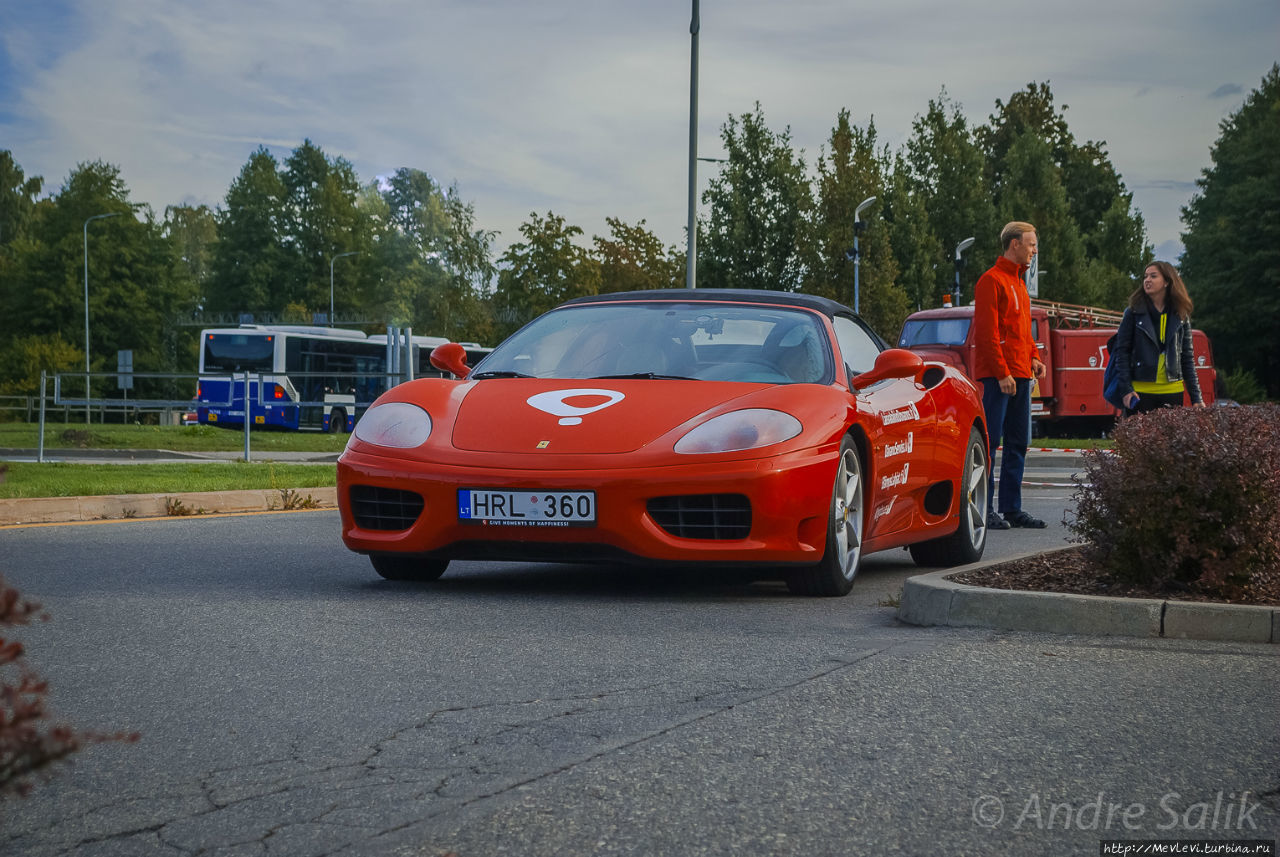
{"x": 237, "y": 352}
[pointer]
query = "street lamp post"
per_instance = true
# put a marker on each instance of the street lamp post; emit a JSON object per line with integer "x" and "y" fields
{"x": 858, "y": 225}
{"x": 960, "y": 248}
{"x": 86, "y": 309}
{"x": 331, "y": 261}
{"x": 691, "y": 247}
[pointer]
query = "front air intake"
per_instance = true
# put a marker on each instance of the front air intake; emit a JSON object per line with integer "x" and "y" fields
{"x": 720, "y": 517}
{"x": 375, "y": 508}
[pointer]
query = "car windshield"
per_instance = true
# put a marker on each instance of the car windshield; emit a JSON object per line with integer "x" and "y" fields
{"x": 934, "y": 331}
{"x": 704, "y": 341}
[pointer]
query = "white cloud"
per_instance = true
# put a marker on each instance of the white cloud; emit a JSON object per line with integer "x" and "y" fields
{"x": 581, "y": 106}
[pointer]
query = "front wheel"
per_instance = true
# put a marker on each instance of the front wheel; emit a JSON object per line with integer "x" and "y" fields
{"x": 833, "y": 576}
{"x": 966, "y": 544}
{"x": 398, "y": 567}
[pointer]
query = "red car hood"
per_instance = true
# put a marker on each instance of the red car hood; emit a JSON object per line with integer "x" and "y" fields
{"x": 589, "y": 416}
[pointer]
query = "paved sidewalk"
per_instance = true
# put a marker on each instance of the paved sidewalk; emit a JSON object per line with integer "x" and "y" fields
{"x": 44, "y": 510}
{"x": 932, "y": 599}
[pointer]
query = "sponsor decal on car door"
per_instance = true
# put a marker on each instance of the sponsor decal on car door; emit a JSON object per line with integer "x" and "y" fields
{"x": 901, "y": 462}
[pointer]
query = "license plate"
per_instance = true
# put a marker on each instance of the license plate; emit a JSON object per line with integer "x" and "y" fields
{"x": 526, "y": 508}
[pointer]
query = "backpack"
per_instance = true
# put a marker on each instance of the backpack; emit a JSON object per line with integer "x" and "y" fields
{"x": 1111, "y": 377}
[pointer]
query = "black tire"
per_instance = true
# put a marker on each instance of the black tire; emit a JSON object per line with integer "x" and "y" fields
{"x": 399, "y": 567}
{"x": 337, "y": 421}
{"x": 834, "y": 575}
{"x": 969, "y": 540}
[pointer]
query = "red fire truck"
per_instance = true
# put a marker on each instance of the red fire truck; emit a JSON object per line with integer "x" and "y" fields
{"x": 1072, "y": 341}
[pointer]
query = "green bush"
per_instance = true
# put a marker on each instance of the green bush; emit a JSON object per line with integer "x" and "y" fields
{"x": 1187, "y": 498}
{"x": 1243, "y": 386}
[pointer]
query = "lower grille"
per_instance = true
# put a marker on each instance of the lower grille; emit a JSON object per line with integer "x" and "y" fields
{"x": 703, "y": 516}
{"x": 376, "y": 508}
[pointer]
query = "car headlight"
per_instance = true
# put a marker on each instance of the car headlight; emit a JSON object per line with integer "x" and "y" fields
{"x": 747, "y": 429}
{"x": 397, "y": 424}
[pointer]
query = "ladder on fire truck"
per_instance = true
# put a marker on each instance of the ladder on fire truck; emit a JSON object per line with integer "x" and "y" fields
{"x": 1073, "y": 316}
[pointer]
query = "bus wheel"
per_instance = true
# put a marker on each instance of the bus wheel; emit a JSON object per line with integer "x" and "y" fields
{"x": 337, "y": 421}
{"x": 398, "y": 567}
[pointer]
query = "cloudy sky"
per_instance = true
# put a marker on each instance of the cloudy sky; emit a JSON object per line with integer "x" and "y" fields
{"x": 581, "y": 107}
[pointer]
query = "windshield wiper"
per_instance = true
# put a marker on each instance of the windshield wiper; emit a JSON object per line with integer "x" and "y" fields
{"x": 497, "y": 373}
{"x": 649, "y": 376}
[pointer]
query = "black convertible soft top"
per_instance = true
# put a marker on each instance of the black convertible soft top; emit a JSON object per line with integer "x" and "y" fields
{"x": 826, "y": 306}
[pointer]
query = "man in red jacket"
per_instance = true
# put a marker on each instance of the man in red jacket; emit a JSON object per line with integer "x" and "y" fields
{"x": 1007, "y": 361}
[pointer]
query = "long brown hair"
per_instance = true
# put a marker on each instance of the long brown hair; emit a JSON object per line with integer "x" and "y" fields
{"x": 1177, "y": 300}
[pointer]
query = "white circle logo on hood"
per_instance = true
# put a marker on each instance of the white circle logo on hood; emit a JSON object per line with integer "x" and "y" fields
{"x": 571, "y": 415}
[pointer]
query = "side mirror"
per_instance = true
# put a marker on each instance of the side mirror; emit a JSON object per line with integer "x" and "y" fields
{"x": 892, "y": 363}
{"x": 452, "y": 358}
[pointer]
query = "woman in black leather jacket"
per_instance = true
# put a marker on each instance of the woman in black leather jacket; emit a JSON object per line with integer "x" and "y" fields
{"x": 1154, "y": 358}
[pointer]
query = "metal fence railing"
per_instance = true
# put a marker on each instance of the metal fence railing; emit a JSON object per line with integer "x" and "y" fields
{"x": 243, "y": 386}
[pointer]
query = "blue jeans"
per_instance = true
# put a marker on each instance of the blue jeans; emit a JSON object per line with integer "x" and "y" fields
{"x": 1008, "y": 417}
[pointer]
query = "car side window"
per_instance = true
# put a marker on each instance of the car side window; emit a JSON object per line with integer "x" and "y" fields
{"x": 857, "y": 347}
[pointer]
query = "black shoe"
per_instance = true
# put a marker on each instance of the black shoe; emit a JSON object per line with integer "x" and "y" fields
{"x": 995, "y": 522}
{"x": 1022, "y": 519}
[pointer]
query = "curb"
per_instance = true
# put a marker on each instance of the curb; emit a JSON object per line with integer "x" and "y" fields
{"x": 19, "y": 511}
{"x": 932, "y": 599}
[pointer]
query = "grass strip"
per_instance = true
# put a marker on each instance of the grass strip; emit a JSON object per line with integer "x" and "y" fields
{"x": 63, "y": 479}
{"x": 176, "y": 438}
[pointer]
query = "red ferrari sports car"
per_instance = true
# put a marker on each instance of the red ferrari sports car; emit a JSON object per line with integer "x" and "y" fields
{"x": 731, "y": 427}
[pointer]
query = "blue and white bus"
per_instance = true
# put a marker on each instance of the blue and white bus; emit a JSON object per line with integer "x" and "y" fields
{"x": 299, "y": 376}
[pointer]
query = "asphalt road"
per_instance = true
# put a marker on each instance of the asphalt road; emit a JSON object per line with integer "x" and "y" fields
{"x": 292, "y": 703}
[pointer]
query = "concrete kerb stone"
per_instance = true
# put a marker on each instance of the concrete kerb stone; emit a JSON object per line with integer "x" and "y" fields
{"x": 45, "y": 510}
{"x": 932, "y": 599}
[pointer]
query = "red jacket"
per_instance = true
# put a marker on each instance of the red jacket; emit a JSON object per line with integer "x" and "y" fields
{"x": 1002, "y": 323}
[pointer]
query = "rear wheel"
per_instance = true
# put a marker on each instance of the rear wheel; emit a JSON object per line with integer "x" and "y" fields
{"x": 337, "y": 420}
{"x": 397, "y": 567}
{"x": 834, "y": 575}
{"x": 966, "y": 544}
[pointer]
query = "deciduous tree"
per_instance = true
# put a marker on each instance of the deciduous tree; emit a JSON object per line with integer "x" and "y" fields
{"x": 945, "y": 170}
{"x": 850, "y": 170}
{"x": 1232, "y": 259}
{"x": 758, "y": 233}
{"x": 633, "y": 258}
{"x": 545, "y": 269}
{"x": 250, "y": 260}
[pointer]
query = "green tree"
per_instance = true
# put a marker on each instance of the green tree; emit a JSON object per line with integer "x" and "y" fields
{"x": 250, "y": 261}
{"x": 24, "y": 358}
{"x": 17, "y": 199}
{"x": 1232, "y": 259}
{"x": 321, "y": 219}
{"x": 945, "y": 169}
{"x": 1110, "y": 234}
{"x": 757, "y": 235}
{"x": 437, "y": 261}
{"x": 915, "y": 247}
{"x": 633, "y": 258}
{"x": 194, "y": 232}
{"x": 136, "y": 283}
{"x": 540, "y": 272}
{"x": 850, "y": 172}
{"x": 1032, "y": 190}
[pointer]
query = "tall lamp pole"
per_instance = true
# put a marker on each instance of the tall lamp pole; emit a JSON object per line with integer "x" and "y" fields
{"x": 691, "y": 248}
{"x": 86, "y": 309}
{"x": 858, "y": 225}
{"x": 331, "y": 261}
{"x": 960, "y": 248}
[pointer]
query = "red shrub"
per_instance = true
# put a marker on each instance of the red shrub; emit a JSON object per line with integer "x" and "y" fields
{"x": 1188, "y": 497}
{"x": 28, "y": 743}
